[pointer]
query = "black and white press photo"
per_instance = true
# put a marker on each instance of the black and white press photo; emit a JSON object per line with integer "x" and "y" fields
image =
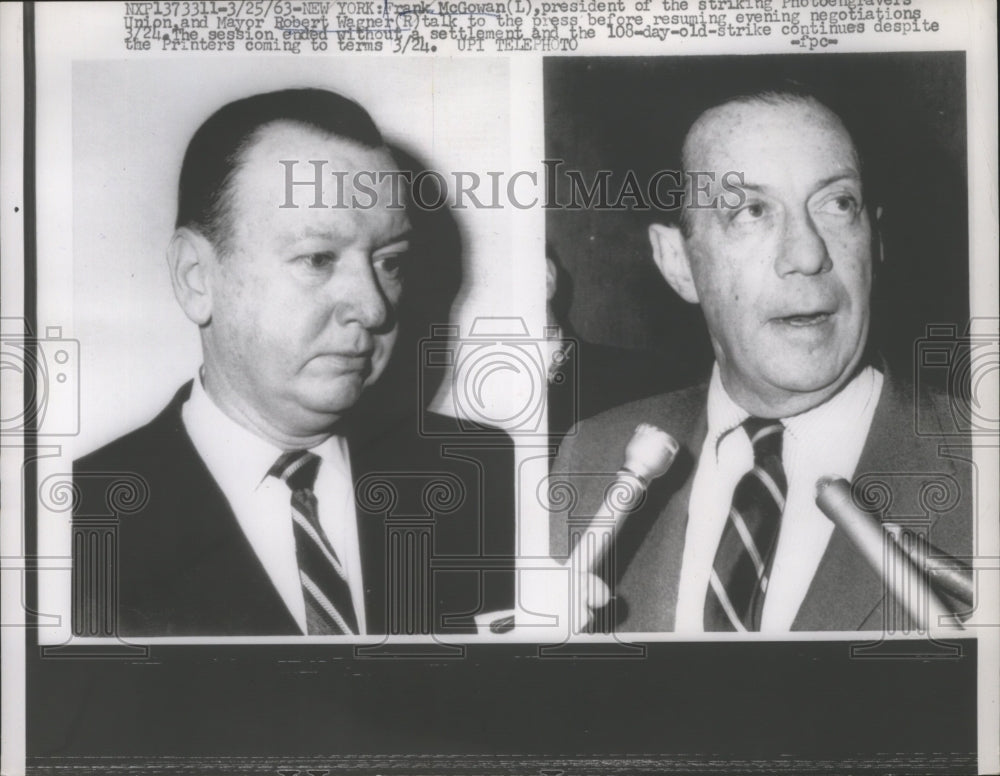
{"x": 257, "y": 283}
{"x": 519, "y": 387}
{"x": 787, "y": 246}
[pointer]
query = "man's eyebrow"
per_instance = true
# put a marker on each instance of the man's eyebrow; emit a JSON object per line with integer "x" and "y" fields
{"x": 405, "y": 236}
{"x": 843, "y": 175}
{"x": 759, "y": 188}
{"x": 309, "y": 231}
{"x": 763, "y": 188}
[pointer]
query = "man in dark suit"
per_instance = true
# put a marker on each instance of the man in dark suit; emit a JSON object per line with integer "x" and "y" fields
{"x": 266, "y": 500}
{"x": 778, "y": 251}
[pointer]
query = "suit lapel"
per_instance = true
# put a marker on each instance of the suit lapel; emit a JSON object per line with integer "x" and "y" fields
{"x": 846, "y": 593}
{"x": 223, "y": 572}
{"x": 186, "y": 567}
{"x": 364, "y": 455}
{"x": 219, "y": 566}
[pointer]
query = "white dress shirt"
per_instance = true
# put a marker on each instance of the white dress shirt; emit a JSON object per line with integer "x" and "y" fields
{"x": 824, "y": 441}
{"x": 239, "y": 460}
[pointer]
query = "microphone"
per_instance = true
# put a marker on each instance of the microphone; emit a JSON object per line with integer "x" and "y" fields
{"x": 947, "y": 573}
{"x": 648, "y": 455}
{"x": 905, "y": 576}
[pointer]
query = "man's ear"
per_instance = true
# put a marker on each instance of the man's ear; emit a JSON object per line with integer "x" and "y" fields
{"x": 190, "y": 258}
{"x": 671, "y": 257}
{"x": 551, "y": 278}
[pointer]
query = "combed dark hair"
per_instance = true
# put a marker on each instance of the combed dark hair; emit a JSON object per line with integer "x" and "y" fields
{"x": 214, "y": 155}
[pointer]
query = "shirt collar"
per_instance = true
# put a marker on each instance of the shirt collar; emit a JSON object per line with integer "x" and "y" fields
{"x": 852, "y": 401}
{"x": 239, "y": 459}
{"x": 725, "y": 415}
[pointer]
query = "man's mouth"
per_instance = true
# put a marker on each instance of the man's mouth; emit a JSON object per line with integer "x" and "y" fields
{"x": 805, "y": 319}
{"x": 353, "y": 361}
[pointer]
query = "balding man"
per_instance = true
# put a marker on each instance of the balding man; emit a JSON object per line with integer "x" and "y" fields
{"x": 731, "y": 539}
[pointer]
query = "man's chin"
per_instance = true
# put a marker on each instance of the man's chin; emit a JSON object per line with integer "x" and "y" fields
{"x": 335, "y": 397}
{"x": 812, "y": 386}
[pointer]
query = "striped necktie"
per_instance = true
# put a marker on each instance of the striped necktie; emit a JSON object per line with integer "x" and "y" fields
{"x": 327, "y": 595}
{"x": 735, "y": 597}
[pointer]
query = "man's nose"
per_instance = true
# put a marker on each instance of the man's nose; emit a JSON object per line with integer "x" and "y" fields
{"x": 358, "y": 296}
{"x": 803, "y": 249}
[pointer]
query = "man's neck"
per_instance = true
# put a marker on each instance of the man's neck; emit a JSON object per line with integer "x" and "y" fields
{"x": 781, "y": 403}
{"x": 242, "y": 412}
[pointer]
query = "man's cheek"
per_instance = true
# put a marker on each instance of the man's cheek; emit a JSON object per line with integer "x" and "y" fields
{"x": 384, "y": 346}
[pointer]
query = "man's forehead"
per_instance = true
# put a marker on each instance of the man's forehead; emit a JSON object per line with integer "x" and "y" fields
{"x": 299, "y": 164}
{"x": 285, "y": 140}
{"x": 263, "y": 202}
{"x": 742, "y": 135}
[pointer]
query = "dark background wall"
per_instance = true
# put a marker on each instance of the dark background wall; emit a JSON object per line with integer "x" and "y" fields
{"x": 906, "y": 112}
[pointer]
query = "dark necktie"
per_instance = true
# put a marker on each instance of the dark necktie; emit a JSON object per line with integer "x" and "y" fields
{"x": 327, "y": 595}
{"x": 735, "y": 597}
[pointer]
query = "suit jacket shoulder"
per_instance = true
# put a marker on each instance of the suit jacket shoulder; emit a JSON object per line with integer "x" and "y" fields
{"x": 436, "y": 514}
{"x": 592, "y": 453}
{"x": 183, "y": 565}
{"x": 911, "y": 472}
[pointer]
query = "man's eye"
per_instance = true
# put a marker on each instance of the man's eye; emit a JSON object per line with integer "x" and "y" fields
{"x": 752, "y": 211}
{"x": 841, "y": 205}
{"x": 391, "y": 265}
{"x": 318, "y": 261}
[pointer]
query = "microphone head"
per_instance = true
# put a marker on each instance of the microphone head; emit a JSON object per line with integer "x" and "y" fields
{"x": 650, "y": 452}
{"x": 823, "y": 483}
{"x": 833, "y": 497}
